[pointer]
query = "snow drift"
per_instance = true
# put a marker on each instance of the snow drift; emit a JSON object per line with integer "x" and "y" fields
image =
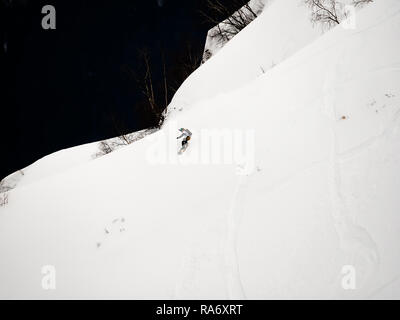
{"x": 214, "y": 44}
{"x": 282, "y": 28}
{"x": 302, "y": 196}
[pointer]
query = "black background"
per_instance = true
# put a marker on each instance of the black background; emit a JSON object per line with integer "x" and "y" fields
{"x": 252, "y": 309}
{"x": 60, "y": 87}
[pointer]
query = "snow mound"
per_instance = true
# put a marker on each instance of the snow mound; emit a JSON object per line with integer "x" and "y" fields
{"x": 282, "y": 29}
{"x": 53, "y": 164}
{"x": 214, "y": 44}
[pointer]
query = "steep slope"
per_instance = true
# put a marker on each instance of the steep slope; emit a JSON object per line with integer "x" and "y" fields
{"x": 214, "y": 44}
{"x": 64, "y": 160}
{"x": 53, "y": 164}
{"x": 282, "y": 29}
{"x": 289, "y": 179}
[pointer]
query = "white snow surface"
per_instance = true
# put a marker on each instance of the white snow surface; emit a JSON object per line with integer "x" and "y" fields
{"x": 50, "y": 165}
{"x": 213, "y": 44}
{"x": 282, "y": 29}
{"x": 318, "y": 193}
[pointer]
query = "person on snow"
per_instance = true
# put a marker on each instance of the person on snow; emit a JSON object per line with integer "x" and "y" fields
{"x": 186, "y": 135}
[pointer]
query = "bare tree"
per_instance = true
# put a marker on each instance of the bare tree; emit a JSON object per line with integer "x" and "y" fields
{"x": 329, "y": 13}
{"x": 156, "y": 86}
{"x": 234, "y": 21}
{"x": 110, "y": 145}
{"x": 359, "y": 3}
{"x": 120, "y": 129}
{"x": 145, "y": 82}
{"x": 191, "y": 61}
{"x": 207, "y": 55}
{"x": 324, "y": 12}
{"x": 3, "y": 199}
{"x": 183, "y": 64}
{"x": 165, "y": 81}
{"x": 104, "y": 148}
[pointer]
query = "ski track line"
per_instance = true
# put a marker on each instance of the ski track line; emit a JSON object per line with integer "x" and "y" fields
{"x": 281, "y": 182}
{"x": 289, "y": 67}
{"x": 354, "y": 240}
{"x": 351, "y": 153}
{"x": 186, "y": 286}
{"x": 232, "y": 273}
{"x": 384, "y": 286}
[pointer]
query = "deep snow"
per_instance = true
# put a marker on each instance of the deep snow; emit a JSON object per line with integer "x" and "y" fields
{"x": 313, "y": 189}
{"x": 214, "y": 44}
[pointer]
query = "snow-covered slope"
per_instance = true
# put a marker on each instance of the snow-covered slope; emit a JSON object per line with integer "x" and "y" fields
{"x": 214, "y": 44}
{"x": 53, "y": 164}
{"x": 304, "y": 191}
{"x": 283, "y": 28}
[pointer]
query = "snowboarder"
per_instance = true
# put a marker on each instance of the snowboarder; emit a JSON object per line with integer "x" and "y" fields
{"x": 186, "y": 134}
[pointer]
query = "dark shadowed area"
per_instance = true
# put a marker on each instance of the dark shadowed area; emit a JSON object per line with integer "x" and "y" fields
{"x": 79, "y": 83}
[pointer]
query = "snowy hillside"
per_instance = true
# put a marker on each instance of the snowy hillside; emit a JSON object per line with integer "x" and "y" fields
{"x": 283, "y": 28}
{"x": 290, "y": 180}
{"x": 215, "y": 44}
